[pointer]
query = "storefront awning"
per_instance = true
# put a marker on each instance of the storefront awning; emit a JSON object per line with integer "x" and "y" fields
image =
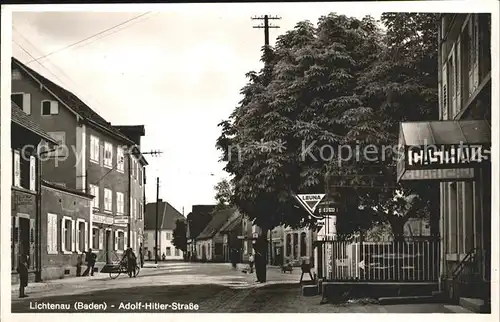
{"x": 442, "y": 150}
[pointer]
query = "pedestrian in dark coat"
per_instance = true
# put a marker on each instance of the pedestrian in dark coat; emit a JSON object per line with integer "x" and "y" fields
{"x": 90, "y": 258}
{"x": 22, "y": 269}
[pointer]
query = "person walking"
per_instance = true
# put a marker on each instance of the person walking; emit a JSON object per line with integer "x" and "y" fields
{"x": 251, "y": 262}
{"x": 79, "y": 263}
{"x": 90, "y": 258}
{"x": 22, "y": 269}
{"x": 141, "y": 255}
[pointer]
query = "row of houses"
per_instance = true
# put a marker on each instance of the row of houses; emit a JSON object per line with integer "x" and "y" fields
{"x": 77, "y": 181}
{"x": 215, "y": 235}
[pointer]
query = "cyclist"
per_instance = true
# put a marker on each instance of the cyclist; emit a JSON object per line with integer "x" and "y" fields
{"x": 130, "y": 260}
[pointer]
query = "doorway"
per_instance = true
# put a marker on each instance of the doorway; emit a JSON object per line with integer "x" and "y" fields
{"x": 107, "y": 247}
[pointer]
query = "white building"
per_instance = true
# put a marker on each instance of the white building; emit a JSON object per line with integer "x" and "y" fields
{"x": 167, "y": 218}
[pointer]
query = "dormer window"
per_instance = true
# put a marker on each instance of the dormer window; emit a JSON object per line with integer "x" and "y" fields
{"x": 50, "y": 108}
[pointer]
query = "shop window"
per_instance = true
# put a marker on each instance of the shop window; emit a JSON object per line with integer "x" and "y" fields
{"x": 95, "y": 238}
{"x": 121, "y": 240}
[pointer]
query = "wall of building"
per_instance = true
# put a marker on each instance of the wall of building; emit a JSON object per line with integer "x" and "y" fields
{"x": 204, "y": 250}
{"x": 59, "y": 258}
{"x": 467, "y": 83}
{"x": 164, "y": 245}
{"x": 297, "y": 246}
{"x": 60, "y": 169}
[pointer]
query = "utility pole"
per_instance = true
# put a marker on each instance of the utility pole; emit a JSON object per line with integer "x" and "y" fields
{"x": 266, "y": 26}
{"x": 156, "y": 227}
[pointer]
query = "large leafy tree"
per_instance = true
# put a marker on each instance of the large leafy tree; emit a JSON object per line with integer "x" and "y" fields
{"x": 293, "y": 106}
{"x": 223, "y": 194}
{"x": 400, "y": 86}
{"x": 179, "y": 235}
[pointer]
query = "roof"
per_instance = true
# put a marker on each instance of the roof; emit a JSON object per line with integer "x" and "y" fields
{"x": 74, "y": 103}
{"x": 167, "y": 216}
{"x": 219, "y": 219}
{"x": 24, "y": 120}
{"x": 56, "y": 186}
{"x": 445, "y": 132}
{"x": 232, "y": 223}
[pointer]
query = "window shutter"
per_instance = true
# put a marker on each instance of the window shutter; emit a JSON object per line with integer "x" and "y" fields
{"x": 50, "y": 223}
{"x": 125, "y": 237}
{"x": 73, "y": 233}
{"x": 86, "y": 236}
{"x": 77, "y": 236}
{"x": 444, "y": 80}
{"x": 17, "y": 168}
{"x": 32, "y": 173}
{"x": 54, "y": 107}
{"x": 458, "y": 86}
{"x": 63, "y": 234}
{"x": 27, "y": 103}
{"x": 54, "y": 234}
{"x": 101, "y": 238}
{"x": 116, "y": 240}
{"x": 453, "y": 86}
{"x": 476, "y": 51}
{"x": 32, "y": 243}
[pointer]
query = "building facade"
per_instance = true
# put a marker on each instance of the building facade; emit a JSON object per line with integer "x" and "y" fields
{"x": 66, "y": 215}
{"x": 197, "y": 220}
{"x": 460, "y": 159}
{"x": 465, "y": 95}
{"x": 209, "y": 244}
{"x": 26, "y": 223}
{"x": 298, "y": 246}
{"x": 93, "y": 157}
{"x": 167, "y": 219}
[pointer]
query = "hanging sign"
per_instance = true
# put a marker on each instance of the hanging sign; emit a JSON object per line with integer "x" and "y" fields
{"x": 310, "y": 201}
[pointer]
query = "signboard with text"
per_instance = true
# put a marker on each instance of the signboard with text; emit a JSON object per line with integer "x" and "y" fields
{"x": 446, "y": 156}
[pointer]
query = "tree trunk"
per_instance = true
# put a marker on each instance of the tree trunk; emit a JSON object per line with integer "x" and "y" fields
{"x": 261, "y": 256}
{"x": 397, "y": 226}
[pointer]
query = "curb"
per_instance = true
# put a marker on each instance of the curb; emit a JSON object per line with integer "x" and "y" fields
{"x": 406, "y": 300}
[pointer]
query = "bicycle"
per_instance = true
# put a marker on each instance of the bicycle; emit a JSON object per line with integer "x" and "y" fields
{"x": 120, "y": 268}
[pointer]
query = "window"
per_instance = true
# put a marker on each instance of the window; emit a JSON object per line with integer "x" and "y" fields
{"x": 295, "y": 244}
{"x": 68, "y": 236}
{"x": 60, "y": 138}
{"x": 94, "y": 191}
{"x": 168, "y": 236}
{"x": 16, "y": 74}
{"x": 245, "y": 248}
{"x": 120, "y": 242}
{"x": 135, "y": 208}
{"x": 51, "y": 234}
{"x": 108, "y": 155}
{"x": 140, "y": 176}
{"x": 119, "y": 203}
{"x": 177, "y": 252}
{"x": 169, "y": 253}
{"x": 17, "y": 168}
{"x": 136, "y": 172}
{"x": 288, "y": 245}
{"x": 133, "y": 168}
{"x": 95, "y": 238}
{"x": 23, "y": 100}
{"x": 81, "y": 235}
{"x": 108, "y": 200}
{"x": 49, "y": 108}
{"x": 94, "y": 148}
{"x": 120, "y": 160}
{"x": 303, "y": 244}
{"x": 140, "y": 209}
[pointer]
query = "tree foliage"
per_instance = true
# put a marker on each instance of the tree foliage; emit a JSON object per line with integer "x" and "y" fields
{"x": 342, "y": 83}
{"x": 179, "y": 239}
{"x": 223, "y": 194}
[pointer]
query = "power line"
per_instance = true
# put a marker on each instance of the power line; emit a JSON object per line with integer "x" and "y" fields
{"x": 90, "y": 37}
{"x": 54, "y": 65}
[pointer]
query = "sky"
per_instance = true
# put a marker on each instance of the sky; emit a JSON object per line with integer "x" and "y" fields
{"x": 177, "y": 71}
